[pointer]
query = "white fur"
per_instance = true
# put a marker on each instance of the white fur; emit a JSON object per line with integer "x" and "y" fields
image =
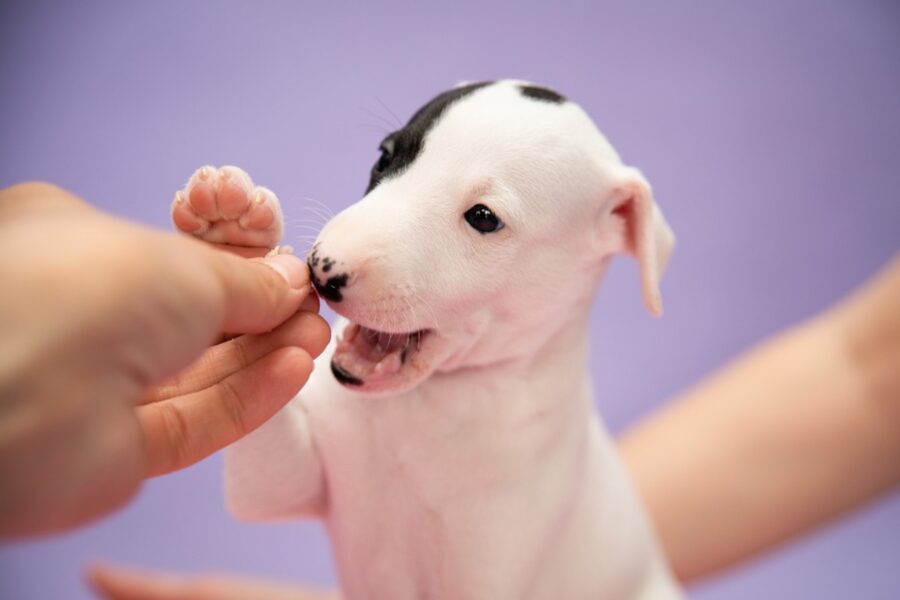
{"x": 488, "y": 475}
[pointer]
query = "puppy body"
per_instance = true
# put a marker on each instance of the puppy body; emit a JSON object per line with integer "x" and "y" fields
{"x": 448, "y": 436}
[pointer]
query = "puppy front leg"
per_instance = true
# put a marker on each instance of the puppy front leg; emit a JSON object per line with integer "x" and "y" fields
{"x": 275, "y": 472}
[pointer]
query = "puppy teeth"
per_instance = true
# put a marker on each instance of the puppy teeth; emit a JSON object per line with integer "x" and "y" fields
{"x": 388, "y": 365}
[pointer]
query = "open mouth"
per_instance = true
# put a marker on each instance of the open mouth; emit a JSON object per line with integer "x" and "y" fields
{"x": 374, "y": 359}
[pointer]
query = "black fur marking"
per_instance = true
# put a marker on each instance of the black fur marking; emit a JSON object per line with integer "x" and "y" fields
{"x": 312, "y": 260}
{"x": 343, "y": 376}
{"x": 543, "y": 94}
{"x": 400, "y": 148}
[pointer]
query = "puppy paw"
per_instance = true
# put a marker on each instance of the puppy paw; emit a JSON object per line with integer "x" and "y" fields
{"x": 223, "y": 206}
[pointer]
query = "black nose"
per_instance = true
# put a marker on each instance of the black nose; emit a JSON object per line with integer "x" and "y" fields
{"x": 331, "y": 289}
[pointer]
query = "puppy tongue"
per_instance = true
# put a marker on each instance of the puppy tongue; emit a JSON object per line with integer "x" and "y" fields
{"x": 368, "y": 354}
{"x": 375, "y": 345}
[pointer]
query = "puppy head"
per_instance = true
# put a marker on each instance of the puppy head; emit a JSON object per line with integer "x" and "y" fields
{"x": 486, "y": 224}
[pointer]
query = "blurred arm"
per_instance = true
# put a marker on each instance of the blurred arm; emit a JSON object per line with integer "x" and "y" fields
{"x": 793, "y": 434}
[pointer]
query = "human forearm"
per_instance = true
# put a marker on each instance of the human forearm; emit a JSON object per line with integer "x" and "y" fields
{"x": 794, "y": 433}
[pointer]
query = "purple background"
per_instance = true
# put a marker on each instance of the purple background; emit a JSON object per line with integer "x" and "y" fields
{"x": 771, "y": 135}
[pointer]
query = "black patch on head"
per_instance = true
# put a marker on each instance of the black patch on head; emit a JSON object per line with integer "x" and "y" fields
{"x": 343, "y": 376}
{"x": 400, "y": 148}
{"x": 539, "y": 93}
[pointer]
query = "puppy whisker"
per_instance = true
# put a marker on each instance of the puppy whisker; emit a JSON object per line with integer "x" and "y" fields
{"x": 329, "y": 212}
{"x": 392, "y": 113}
{"x": 379, "y": 117}
{"x": 319, "y": 213}
{"x": 381, "y": 129}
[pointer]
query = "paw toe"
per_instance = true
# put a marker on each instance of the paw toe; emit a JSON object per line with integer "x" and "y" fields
{"x": 201, "y": 193}
{"x": 262, "y": 212}
{"x": 233, "y": 191}
{"x": 185, "y": 218}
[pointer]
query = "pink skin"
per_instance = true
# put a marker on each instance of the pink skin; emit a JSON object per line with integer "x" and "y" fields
{"x": 120, "y": 384}
{"x": 223, "y": 206}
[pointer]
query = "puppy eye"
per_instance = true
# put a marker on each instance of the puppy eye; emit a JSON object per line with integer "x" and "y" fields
{"x": 387, "y": 155}
{"x": 383, "y": 163}
{"x": 483, "y": 219}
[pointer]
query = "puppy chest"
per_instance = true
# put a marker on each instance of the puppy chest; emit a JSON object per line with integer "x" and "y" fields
{"x": 438, "y": 502}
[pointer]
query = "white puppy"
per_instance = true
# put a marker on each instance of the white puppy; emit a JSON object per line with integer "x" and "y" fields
{"x": 452, "y": 448}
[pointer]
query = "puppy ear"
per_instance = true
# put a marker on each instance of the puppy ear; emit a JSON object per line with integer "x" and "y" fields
{"x": 644, "y": 232}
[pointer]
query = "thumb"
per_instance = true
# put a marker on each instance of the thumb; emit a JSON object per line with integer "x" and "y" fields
{"x": 259, "y": 294}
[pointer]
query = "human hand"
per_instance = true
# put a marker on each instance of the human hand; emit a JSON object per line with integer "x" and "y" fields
{"x": 96, "y": 314}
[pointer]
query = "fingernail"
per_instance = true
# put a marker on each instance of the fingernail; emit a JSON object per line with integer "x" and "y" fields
{"x": 294, "y": 270}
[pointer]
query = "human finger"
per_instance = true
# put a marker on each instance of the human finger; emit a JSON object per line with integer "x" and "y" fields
{"x": 305, "y": 330}
{"x": 310, "y": 304}
{"x": 116, "y": 583}
{"x": 182, "y": 430}
{"x": 256, "y": 295}
{"x": 242, "y": 251}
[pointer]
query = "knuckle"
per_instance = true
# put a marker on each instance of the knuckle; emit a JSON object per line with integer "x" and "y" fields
{"x": 273, "y": 287}
{"x": 177, "y": 435}
{"x": 239, "y": 348}
{"x": 233, "y": 406}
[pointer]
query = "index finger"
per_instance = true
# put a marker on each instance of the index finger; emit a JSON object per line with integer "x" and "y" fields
{"x": 182, "y": 430}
